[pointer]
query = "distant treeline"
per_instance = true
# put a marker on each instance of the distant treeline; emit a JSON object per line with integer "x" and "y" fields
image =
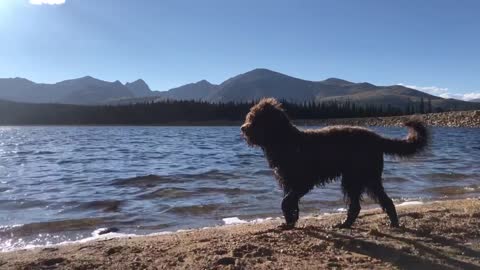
{"x": 168, "y": 111}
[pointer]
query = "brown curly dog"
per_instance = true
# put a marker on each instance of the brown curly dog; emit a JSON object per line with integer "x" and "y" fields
{"x": 302, "y": 160}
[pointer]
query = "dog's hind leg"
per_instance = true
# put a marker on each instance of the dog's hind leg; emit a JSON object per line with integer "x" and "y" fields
{"x": 378, "y": 192}
{"x": 353, "y": 208}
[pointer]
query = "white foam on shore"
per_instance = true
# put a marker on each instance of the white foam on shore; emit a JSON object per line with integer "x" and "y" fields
{"x": 8, "y": 245}
{"x": 409, "y": 203}
{"x": 236, "y": 220}
{"x": 233, "y": 220}
{"x": 160, "y": 233}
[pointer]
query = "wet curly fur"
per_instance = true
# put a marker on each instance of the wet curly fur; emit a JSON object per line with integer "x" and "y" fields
{"x": 302, "y": 160}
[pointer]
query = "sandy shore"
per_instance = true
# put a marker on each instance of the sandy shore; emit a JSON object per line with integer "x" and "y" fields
{"x": 438, "y": 235}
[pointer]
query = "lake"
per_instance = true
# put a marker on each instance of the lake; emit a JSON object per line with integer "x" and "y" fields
{"x": 61, "y": 184}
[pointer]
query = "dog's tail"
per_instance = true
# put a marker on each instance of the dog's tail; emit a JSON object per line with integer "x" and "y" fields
{"x": 416, "y": 140}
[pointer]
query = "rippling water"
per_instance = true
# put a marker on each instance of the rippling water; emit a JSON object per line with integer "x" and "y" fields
{"x": 62, "y": 183}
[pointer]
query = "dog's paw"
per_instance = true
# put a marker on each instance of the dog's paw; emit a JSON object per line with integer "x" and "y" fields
{"x": 286, "y": 226}
{"x": 342, "y": 225}
{"x": 395, "y": 226}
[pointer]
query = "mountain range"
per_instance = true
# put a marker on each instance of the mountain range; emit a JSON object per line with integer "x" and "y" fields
{"x": 248, "y": 86}
{"x": 85, "y": 91}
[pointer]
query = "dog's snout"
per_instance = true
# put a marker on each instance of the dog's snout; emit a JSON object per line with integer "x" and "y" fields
{"x": 243, "y": 128}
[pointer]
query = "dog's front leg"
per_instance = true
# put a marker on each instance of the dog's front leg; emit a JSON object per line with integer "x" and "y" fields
{"x": 290, "y": 209}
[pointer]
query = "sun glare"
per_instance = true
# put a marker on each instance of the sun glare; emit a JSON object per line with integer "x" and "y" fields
{"x": 6, "y": 5}
{"x": 47, "y": 2}
{"x": 3, "y": 5}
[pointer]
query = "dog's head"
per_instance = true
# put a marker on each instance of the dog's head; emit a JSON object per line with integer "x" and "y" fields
{"x": 266, "y": 123}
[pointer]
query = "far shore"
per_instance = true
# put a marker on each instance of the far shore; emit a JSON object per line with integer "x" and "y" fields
{"x": 435, "y": 235}
{"x": 466, "y": 119}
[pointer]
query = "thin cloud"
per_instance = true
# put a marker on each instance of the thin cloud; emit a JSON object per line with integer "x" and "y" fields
{"x": 443, "y": 92}
{"x": 470, "y": 96}
{"x": 47, "y": 2}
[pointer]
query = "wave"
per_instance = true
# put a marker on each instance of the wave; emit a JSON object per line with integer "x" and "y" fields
{"x": 195, "y": 209}
{"x": 43, "y": 152}
{"x": 167, "y": 193}
{"x": 454, "y": 190}
{"x": 21, "y": 230}
{"x": 173, "y": 192}
{"x": 396, "y": 179}
{"x": 150, "y": 180}
{"x": 21, "y": 204}
{"x": 212, "y": 175}
{"x": 103, "y": 205}
{"x": 446, "y": 176}
{"x": 264, "y": 172}
{"x": 3, "y": 189}
{"x": 153, "y": 180}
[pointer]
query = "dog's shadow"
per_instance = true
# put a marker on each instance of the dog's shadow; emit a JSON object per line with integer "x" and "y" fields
{"x": 407, "y": 252}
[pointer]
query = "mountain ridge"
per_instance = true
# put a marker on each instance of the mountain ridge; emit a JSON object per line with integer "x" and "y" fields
{"x": 85, "y": 90}
{"x": 245, "y": 87}
{"x": 260, "y": 82}
{"x": 139, "y": 88}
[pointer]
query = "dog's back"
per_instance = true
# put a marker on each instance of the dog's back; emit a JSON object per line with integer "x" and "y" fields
{"x": 338, "y": 140}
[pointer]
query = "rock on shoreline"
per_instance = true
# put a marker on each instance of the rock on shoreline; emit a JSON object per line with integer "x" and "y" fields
{"x": 470, "y": 119}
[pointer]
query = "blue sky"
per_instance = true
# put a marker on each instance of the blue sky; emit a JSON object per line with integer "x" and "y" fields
{"x": 432, "y": 45}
